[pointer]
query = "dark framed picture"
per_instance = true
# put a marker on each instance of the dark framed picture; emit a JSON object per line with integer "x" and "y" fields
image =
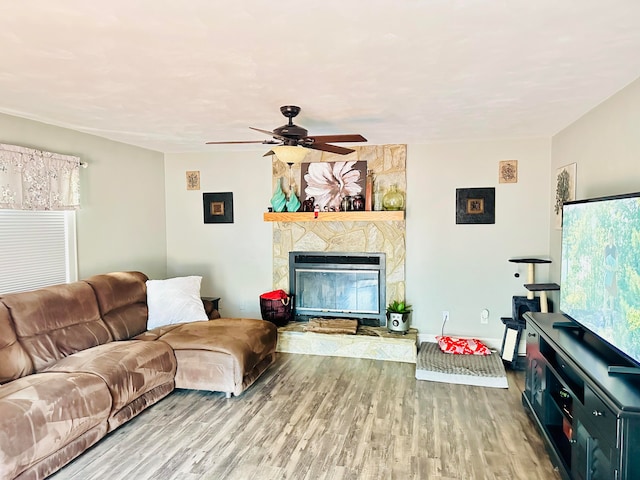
{"x": 475, "y": 205}
{"x": 218, "y": 207}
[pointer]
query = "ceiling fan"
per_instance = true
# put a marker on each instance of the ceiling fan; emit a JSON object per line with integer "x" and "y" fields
{"x": 293, "y": 135}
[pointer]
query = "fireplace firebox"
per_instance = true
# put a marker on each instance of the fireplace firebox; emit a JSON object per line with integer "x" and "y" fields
{"x": 345, "y": 285}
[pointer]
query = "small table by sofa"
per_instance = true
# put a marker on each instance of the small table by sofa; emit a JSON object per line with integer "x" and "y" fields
{"x": 213, "y": 300}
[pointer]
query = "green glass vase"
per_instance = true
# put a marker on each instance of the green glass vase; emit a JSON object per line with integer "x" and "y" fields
{"x": 393, "y": 199}
{"x": 293, "y": 204}
{"x": 279, "y": 200}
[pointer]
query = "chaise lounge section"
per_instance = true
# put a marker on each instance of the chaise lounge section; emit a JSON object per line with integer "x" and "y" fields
{"x": 76, "y": 362}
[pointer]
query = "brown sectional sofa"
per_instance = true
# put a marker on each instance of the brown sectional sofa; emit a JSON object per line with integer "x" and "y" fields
{"x": 76, "y": 362}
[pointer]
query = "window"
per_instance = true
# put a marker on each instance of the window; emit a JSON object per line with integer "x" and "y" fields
{"x": 37, "y": 249}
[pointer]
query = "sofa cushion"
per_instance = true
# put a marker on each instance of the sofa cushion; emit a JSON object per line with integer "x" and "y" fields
{"x": 247, "y": 340}
{"x": 155, "y": 333}
{"x": 42, "y": 413}
{"x": 174, "y": 300}
{"x": 122, "y": 300}
{"x": 54, "y": 322}
{"x": 14, "y": 361}
{"x": 129, "y": 368}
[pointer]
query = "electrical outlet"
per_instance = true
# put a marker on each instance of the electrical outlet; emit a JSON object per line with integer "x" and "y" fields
{"x": 484, "y": 316}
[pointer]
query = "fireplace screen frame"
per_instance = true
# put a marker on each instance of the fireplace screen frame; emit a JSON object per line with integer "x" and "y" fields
{"x": 339, "y": 261}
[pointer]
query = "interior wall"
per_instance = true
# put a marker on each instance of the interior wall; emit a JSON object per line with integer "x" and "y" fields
{"x": 464, "y": 269}
{"x": 459, "y": 268}
{"x": 234, "y": 259}
{"x": 137, "y": 214}
{"x": 121, "y": 222}
{"x": 605, "y": 145}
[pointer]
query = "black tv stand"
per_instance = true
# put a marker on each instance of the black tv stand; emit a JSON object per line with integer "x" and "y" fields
{"x": 567, "y": 325}
{"x": 619, "y": 370}
{"x": 584, "y": 398}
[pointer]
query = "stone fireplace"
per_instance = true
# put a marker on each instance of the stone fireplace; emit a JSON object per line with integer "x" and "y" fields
{"x": 359, "y": 237}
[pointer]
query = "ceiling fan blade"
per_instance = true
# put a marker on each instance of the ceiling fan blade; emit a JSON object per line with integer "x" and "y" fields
{"x": 267, "y": 132}
{"x": 242, "y": 141}
{"x": 337, "y": 138}
{"x": 325, "y": 147}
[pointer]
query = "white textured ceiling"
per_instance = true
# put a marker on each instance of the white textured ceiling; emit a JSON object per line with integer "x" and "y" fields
{"x": 170, "y": 75}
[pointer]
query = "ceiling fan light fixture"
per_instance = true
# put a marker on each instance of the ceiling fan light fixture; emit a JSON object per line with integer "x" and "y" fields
{"x": 290, "y": 153}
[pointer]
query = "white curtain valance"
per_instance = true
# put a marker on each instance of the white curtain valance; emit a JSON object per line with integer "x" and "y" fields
{"x": 37, "y": 180}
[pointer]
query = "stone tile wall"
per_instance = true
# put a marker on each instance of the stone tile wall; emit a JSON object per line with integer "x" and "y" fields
{"x": 388, "y": 163}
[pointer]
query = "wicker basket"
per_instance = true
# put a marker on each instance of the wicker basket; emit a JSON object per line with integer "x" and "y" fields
{"x": 277, "y": 311}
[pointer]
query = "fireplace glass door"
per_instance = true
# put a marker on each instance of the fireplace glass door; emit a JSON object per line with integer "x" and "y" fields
{"x": 335, "y": 284}
{"x": 337, "y": 291}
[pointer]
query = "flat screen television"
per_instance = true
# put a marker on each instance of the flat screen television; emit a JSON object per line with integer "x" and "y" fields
{"x": 600, "y": 270}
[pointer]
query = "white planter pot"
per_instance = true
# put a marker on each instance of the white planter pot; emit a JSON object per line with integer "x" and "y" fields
{"x": 398, "y": 322}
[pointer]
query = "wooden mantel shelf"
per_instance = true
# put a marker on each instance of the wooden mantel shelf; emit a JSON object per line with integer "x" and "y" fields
{"x": 385, "y": 216}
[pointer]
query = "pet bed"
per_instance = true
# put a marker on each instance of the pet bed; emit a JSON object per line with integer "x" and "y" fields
{"x": 480, "y": 370}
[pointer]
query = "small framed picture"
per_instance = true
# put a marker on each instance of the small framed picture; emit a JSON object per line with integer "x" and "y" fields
{"x": 193, "y": 180}
{"x": 508, "y": 171}
{"x": 475, "y": 205}
{"x": 218, "y": 207}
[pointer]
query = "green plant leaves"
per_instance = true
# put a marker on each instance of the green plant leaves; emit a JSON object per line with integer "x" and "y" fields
{"x": 398, "y": 307}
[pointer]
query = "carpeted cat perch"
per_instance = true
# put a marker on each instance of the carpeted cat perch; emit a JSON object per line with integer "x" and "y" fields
{"x": 479, "y": 370}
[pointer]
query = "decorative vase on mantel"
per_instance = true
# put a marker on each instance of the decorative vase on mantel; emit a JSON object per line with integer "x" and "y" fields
{"x": 358, "y": 203}
{"x": 293, "y": 204}
{"x": 393, "y": 199}
{"x": 279, "y": 200}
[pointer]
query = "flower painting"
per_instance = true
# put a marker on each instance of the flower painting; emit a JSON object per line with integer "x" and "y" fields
{"x": 329, "y": 182}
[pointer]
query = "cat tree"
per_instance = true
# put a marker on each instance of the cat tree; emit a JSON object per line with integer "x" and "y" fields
{"x": 515, "y": 324}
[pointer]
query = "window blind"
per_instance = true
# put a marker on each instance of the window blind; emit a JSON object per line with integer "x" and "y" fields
{"x": 37, "y": 249}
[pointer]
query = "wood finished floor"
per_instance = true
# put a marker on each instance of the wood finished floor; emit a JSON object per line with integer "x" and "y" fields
{"x": 312, "y": 417}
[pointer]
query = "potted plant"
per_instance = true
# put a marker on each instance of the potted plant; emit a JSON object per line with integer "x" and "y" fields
{"x": 398, "y": 316}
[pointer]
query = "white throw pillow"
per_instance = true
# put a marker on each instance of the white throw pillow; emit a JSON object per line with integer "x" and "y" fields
{"x": 175, "y": 300}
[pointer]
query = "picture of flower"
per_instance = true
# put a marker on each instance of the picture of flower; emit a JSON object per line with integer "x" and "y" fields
{"x": 329, "y": 182}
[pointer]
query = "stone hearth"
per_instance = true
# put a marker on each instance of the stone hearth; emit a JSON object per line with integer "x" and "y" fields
{"x": 370, "y": 342}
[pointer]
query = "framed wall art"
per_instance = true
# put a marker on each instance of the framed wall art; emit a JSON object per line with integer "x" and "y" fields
{"x": 565, "y": 190}
{"x": 326, "y": 183}
{"x": 193, "y": 180}
{"x": 508, "y": 171}
{"x": 475, "y": 205}
{"x": 218, "y": 207}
